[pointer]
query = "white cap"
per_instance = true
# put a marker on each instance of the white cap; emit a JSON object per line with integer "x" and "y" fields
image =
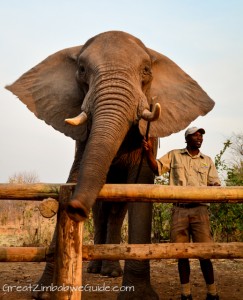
{"x": 192, "y": 130}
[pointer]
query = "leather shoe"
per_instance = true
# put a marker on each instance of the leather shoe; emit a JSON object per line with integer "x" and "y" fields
{"x": 186, "y": 297}
{"x": 212, "y": 297}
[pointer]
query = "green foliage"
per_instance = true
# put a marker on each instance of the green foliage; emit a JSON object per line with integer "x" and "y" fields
{"x": 163, "y": 179}
{"x": 88, "y": 232}
{"x": 161, "y": 215}
{"x": 235, "y": 175}
{"x": 220, "y": 163}
{"x": 227, "y": 222}
{"x": 227, "y": 219}
{"x": 161, "y": 222}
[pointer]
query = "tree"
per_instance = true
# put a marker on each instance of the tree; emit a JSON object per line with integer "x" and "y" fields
{"x": 24, "y": 177}
{"x": 220, "y": 163}
{"x": 235, "y": 171}
{"x": 227, "y": 219}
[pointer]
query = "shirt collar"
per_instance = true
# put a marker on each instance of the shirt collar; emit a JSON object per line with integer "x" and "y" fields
{"x": 185, "y": 151}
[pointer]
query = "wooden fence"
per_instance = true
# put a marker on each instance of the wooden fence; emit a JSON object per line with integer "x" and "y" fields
{"x": 69, "y": 249}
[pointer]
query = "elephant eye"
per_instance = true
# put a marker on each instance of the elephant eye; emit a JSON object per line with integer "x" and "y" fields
{"x": 146, "y": 70}
{"x": 81, "y": 69}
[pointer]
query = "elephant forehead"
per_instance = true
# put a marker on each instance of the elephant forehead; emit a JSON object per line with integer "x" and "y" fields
{"x": 114, "y": 45}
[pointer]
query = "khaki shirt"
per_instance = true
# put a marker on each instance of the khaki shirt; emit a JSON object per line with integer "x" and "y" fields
{"x": 187, "y": 170}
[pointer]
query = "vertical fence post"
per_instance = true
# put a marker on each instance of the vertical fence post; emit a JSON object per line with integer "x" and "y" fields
{"x": 68, "y": 258}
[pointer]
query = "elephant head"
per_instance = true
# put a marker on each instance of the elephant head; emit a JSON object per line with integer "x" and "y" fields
{"x": 96, "y": 92}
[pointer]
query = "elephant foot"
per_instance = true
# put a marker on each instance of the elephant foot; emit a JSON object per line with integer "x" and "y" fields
{"x": 40, "y": 289}
{"x": 94, "y": 266}
{"x": 137, "y": 292}
{"x": 111, "y": 268}
{"x": 105, "y": 268}
{"x": 136, "y": 282}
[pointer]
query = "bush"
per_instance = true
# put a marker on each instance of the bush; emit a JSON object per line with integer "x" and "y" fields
{"x": 227, "y": 222}
{"x": 161, "y": 222}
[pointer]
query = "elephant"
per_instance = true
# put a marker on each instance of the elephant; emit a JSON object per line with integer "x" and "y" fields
{"x": 100, "y": 95}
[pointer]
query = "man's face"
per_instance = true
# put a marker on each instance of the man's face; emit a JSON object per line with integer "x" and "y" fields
{"x": 194, "y": 140}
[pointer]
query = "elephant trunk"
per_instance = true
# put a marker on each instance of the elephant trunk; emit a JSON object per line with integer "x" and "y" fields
{"x": 110, "y": 124}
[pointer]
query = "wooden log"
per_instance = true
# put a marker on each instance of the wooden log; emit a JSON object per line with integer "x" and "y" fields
{"x": 133, "y": 251}
{"x": 48, "y": 207}
{"x": 23, "y": 254}
{"x": 131, "y": 192}
{"x": 68, "y": 257}
{"x": 37, "y": 191}
{"x": 163, "y": 251}
{"x": 169, "y": 194}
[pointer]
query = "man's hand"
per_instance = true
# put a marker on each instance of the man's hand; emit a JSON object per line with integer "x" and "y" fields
{"x": 215, "y": 184}
{"x": 148, "y": 144}
{"x": 148, "y": 148}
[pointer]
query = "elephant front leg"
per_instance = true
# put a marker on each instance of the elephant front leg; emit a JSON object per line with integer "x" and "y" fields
{"x": 108, "y": 219}
{"x": 100, "y": 219}
{"x": 136, "y": 276}
{"x": 115, "y": 220}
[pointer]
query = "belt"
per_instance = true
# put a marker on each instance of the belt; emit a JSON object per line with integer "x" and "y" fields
{"x": 187, "y": 205}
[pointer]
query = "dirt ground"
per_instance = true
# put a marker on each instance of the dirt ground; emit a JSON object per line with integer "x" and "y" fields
{"x": 164, "y": 278}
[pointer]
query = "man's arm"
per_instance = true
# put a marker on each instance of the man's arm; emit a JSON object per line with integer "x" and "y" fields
{"x": 213, "y": 177}
{"x": 152, "y": 162}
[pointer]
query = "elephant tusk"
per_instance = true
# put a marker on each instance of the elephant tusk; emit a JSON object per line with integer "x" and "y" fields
{"x": 152, "y": 115}
{"x": 80, "y": 119}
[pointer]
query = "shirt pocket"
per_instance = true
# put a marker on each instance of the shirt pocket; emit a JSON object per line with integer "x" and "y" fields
{"x": 178, "y": 173}
{"x": 203, "y": 175}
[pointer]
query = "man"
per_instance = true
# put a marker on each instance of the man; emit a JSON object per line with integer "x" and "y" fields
{"x": 189, "y": 167}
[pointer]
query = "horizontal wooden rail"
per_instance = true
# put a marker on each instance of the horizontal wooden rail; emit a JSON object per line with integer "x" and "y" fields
{"x": 23, "y": 254}
{"x": 167, "y": 194}
{"x": 130, "y": 192}
{"x": 165, "y": 250}
{"x": 36, "y": 191}
{"x": 131, "y": 251}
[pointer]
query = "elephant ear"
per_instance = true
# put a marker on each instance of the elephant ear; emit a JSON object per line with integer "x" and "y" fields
{"x": 181, "y": 98}
{"x": 51, "y": 92}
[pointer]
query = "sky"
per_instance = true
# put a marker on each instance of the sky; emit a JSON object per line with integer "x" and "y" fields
{"x": 205, "y": 38}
